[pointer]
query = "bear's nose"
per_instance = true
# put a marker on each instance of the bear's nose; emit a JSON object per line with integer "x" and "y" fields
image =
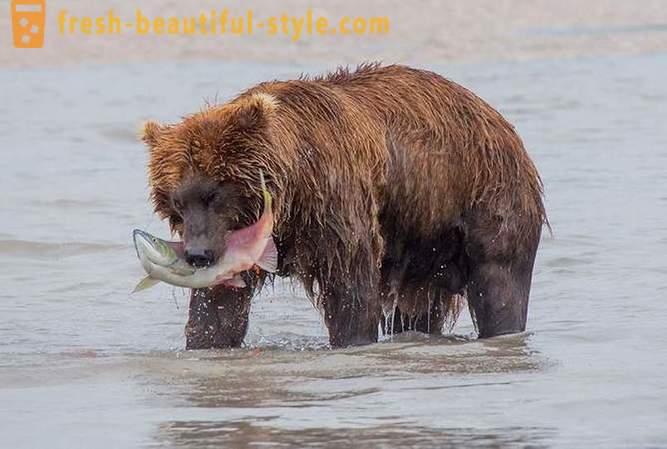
{"x": 199, "y": 258}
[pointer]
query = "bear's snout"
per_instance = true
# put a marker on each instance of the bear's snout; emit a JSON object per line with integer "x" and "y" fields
{"x": 199, "y": 257}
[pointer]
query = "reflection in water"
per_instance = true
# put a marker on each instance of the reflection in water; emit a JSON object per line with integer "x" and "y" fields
{"x": 335, "y": 398}
{"x": 241, "y": 434}
{"x": 250, "y": 378}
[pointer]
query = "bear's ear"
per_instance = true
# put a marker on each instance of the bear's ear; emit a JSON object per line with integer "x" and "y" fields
{"x": 150, "y": 133}
{"x": 255, "y": 110}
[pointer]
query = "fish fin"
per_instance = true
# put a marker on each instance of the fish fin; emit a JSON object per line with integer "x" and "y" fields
{"x": 268, "y": 261}
{"x": 265, "y": 193}
{"x": 145, "y": 283}
{"x": 236, "y": 282}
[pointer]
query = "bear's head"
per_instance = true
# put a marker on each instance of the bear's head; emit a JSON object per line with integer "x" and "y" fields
{"x": 204, "y": 172}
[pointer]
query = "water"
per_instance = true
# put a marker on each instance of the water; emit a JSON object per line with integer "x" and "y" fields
{"x": 85, "y": 364}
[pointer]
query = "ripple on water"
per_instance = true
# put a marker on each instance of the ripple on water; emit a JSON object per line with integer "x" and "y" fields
{"x": 69, "y": 204}
{"x": 121, "y": 134}
{"x": 44, "y": 250}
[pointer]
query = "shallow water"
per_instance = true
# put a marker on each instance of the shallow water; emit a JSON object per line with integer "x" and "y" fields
{"x": 85, "y": 364}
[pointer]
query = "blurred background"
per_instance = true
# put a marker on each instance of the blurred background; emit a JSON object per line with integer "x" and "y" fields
{"x": 83, "y": 363}
{"x": 420, "y": 32}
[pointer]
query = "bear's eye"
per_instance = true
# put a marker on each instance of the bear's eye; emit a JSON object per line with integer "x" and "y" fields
{"x": 178, "y": 205}
{"x": 175, "y": 221}
{"x": 210, "y": 197}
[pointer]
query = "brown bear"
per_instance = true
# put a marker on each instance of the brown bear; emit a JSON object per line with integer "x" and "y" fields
{"x": 396, "y": 193}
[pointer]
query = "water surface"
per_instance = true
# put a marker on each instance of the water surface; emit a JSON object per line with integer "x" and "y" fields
{"x": 85, "y": 364}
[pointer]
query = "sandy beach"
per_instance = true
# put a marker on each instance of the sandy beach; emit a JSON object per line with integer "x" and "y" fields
{"x": 425, "y": 32}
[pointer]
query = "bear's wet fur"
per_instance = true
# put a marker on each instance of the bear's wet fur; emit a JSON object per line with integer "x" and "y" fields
{"x": 396, "y": 194}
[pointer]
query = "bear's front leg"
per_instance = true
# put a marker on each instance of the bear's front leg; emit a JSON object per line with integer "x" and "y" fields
{"x": 218, "y": 317}
{"x": 351, "y": 314}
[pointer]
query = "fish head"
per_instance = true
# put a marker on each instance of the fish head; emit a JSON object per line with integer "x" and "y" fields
{"x": 157, "y": 251}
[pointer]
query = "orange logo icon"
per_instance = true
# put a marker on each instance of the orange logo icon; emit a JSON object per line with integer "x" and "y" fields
{"x": 28, "y": 23}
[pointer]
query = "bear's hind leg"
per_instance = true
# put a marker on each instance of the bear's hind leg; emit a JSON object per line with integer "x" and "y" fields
{"x": 498, "y": 289}
{"x": 218, "y": 317}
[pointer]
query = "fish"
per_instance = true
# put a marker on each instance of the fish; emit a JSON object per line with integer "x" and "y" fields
{"x": 159, "y": 257}
{"x": 249, "y": 247}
